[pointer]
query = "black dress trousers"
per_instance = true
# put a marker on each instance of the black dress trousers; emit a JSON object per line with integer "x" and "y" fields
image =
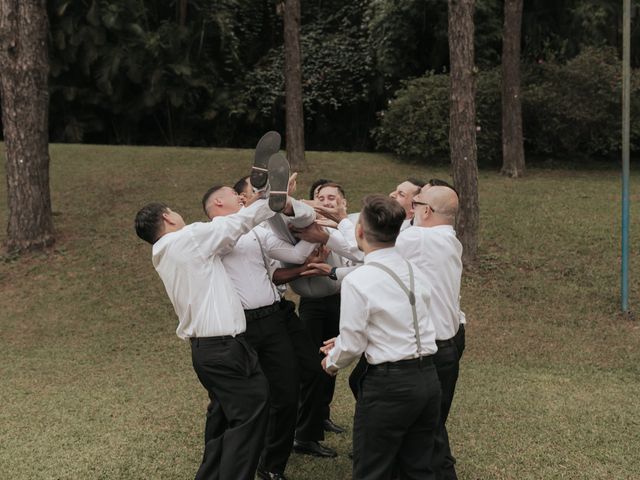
{"x": 271, "y": 340}
{"x": 228, "y": 369}
{"x": 394, "y": 426}
{"x": 321, "y": 316}
{"x": 309, "y": 425}
{"x": 447, "y": 365}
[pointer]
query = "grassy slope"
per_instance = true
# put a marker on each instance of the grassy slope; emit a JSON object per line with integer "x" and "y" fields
{"x": 94, "y": 383}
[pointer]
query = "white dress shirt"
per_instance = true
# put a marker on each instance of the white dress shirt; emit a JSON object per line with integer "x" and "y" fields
{"x": 438, "y": 254}
{"x": 342, "y": 242}
{"x": 188, "y": 262}
{"x": 246, "y": 267}
{"x": 376, "y": 317}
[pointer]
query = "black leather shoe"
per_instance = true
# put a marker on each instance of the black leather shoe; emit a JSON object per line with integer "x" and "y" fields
{"x": 329, "y": 426}
{"x": 314, "y": 448}
{"x": 264, "y": 475}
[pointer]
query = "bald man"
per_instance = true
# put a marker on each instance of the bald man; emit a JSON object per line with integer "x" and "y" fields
{"x": 431, "y": 244}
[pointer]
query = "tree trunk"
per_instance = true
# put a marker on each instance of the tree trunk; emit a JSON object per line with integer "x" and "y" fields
{"x": 25, "y": 109}
{"x": 512, "y": 141}
{"x": 293, "y": 85}
{"x": 462, "y": 130}
{"x": 181, "y": 12}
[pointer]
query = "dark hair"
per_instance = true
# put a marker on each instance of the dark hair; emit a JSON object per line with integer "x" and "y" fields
{"x": 240, "y": 185}
{"x": 148, "y": 221}
{"x": 418, "y": 183}
{"x": 316, "y": 184}
{"x": 334, "y": 185}
{"x": 382, "y": 218}
{"x": 436, "y": 182}
{"x": 206, "y": 196}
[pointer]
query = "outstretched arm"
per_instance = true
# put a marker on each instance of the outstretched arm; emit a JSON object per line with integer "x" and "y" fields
{"x": 219, "y": 235}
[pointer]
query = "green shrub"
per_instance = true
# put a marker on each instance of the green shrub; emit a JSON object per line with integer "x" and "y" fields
{"x": 416, "y": 122}
{"x": 569, "y": 110}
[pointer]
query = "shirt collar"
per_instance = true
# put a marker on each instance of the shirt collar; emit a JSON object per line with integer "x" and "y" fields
{"x": 380, "y": 254}
{"x": 443, "y": 227}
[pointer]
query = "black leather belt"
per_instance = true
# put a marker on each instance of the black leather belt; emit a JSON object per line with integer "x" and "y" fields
{"x": 409, "y": 364}
{"x": 197, "y": 341}
{"x": 256, "y": 313}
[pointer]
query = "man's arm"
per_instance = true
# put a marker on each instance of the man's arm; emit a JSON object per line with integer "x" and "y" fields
{"x": 286, "y": 275}
{"x": 282, "y": 251}
{"x": 336, "y": 214}
{"x": 408, "y": 243}
{"x": 219, "y": 235}
{"x": 316, "y": 269}
{"x": 339, "y": 244}
{"x": 352, "y": 340}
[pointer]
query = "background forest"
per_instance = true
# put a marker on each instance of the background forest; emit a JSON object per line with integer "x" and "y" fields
{"x": 210, "y": 72}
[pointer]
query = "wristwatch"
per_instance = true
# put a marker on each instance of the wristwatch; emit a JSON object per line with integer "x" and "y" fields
{"x": 332, "y": 274}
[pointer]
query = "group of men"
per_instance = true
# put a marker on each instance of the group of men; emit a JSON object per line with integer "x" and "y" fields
{"x": 381, "y": 287}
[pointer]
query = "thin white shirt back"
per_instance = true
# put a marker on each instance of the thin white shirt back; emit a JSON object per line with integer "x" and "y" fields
{"x": 246, "y": 267}
{"x": 188, "y": 262}
{"x": 376, "y": 317}
{"x": 438, "y": 254}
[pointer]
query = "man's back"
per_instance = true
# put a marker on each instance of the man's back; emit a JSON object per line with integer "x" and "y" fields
{"x": 438, "y": 254}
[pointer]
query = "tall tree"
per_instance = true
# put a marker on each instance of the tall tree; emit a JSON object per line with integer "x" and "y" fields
{"x": 512, "y": 141}
{"x": 293, "y": 84}
{"x": 462, "y": 129}
{"x": 25, "y": 111}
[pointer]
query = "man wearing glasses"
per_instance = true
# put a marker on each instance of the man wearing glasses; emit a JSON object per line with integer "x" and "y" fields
{"x": 433, "y": 247}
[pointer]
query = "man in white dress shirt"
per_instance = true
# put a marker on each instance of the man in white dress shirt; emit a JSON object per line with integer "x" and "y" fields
{"x": 385, "y": 314}
{"x": 210, "y": 314}
{"x": 319, "y": 311}
{"x": 403, "y": 194}
{"x": 433, "y": 247}
{"x": 248, "y": 265}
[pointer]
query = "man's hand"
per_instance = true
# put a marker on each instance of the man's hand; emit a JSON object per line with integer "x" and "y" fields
{"x": 319, "y": 255}
{"x": 336, "y": 214}
{"x": 325, "y": 222}
{"x": 317, "y": 270}
{"x": 314, "y": 233}
{"x": 288, "y": 208}
{"x": 332, "y": 371}
{"x": 293, "y": 185}
{"x": 328, "y": 345}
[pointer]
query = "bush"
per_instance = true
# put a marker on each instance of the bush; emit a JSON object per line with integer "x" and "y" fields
{"x": 569, "y": 110}
{"x": 416, "y": 122}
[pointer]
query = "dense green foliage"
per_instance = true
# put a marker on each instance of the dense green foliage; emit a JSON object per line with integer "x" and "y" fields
{"x": 127, "y": 71}
{"x": 569, "y": 109}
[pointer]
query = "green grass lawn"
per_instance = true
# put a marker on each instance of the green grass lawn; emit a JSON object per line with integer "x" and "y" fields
{"x": 95, "y": 384}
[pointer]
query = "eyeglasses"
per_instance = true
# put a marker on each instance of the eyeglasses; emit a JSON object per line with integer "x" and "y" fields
{"x": 414, "y": 204}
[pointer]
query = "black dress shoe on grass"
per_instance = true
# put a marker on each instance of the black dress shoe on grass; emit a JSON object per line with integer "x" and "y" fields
{"x": 264, "y": 475}
{"x": 329, "y": 426}
{"x": 314, "y": 448}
